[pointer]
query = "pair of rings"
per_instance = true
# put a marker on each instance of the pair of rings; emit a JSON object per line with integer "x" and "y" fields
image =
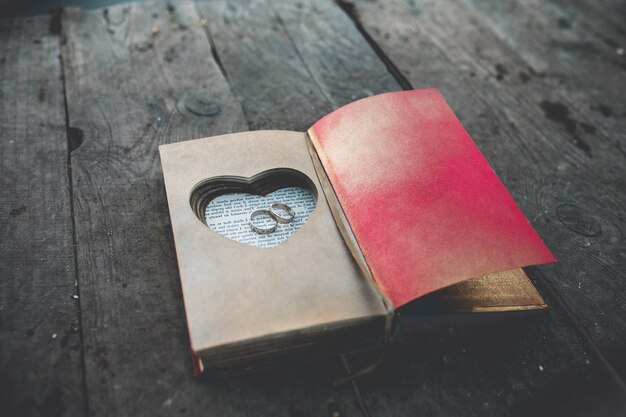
{"x": 272, "y": 213}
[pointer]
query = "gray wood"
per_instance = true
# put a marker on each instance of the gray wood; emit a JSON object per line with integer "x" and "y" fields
{"x": 40, "y": 364}
{"x": 269, "y": 55}
{"x": 604, "y": 14}
{"x": 582, "y": 71}
{"x": 287, "y": 73}
{"x": 138, "y": 76}
{"x": 515, "y": 361}
{"x": 296, "y": 99}
{"x": 597, "y": 33}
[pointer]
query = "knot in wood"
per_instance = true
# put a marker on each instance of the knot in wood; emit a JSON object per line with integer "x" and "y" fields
{"x": 578, "y": 220}
{"x": 198, "y": 104}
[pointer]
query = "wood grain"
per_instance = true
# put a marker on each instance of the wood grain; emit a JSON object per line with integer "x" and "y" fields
{"x": 40, "y": 363}
{"x": 287, "y": 73}
{"x": 561, "y": 54}
{"x": 606, "y": 15}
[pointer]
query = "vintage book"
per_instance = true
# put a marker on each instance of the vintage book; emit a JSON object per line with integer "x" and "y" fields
{"x": 393, "y": 201}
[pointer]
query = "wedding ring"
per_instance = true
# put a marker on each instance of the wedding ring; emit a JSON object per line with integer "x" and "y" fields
{"x": 284, "y": 207}
{"x": 262, "y": 230}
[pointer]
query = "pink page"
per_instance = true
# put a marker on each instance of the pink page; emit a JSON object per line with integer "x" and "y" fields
{"x": 425, "y": 207}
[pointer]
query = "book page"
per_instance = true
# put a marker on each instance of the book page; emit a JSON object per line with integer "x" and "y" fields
{"x": 229, "y": 214}
{"x": 422, "y": 201}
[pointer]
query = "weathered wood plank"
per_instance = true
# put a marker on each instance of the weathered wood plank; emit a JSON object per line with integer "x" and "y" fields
{"x": 276, "y": 67}
{"x": 559, "y": 53}
{"x": 296, "y": 98}
{"x": 602, "y": 13}
{"x": 341, "y": 62}
{"x": 40, "y": 364}
{"x": 137, "y": 76}
{"x": 493, "y": 366}
{"x": 513, "y": 367}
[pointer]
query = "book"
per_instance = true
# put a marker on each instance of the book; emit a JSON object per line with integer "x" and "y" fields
{"x": 392, "y": 202}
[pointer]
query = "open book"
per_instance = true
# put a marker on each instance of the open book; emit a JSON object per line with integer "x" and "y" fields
{"x": 392, "y": 201}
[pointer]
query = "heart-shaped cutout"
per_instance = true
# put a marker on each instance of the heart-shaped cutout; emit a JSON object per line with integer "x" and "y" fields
{"x": 224, "y": 204}
{"x": 229, "y": 214}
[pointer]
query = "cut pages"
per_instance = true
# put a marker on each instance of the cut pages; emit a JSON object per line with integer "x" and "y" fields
{"x": 407, "y": 206}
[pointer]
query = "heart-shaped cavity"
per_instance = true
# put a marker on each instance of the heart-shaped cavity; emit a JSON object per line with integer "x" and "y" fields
{"x": 228, "y": 215}
{"x": 224, "y": 204}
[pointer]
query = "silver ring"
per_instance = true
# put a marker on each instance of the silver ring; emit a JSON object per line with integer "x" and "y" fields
{"x": 262, "y": 230}
{"x": 280, "y": 219}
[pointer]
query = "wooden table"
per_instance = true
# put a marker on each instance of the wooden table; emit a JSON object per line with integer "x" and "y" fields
{"x": 91, "y": 314}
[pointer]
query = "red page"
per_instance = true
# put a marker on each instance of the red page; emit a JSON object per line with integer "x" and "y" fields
{"x": 424, "y": 205}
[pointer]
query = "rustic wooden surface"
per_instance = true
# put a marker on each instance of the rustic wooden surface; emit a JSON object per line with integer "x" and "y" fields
{"x": 91, "y": 317}
{"x": 40, "y": 346}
